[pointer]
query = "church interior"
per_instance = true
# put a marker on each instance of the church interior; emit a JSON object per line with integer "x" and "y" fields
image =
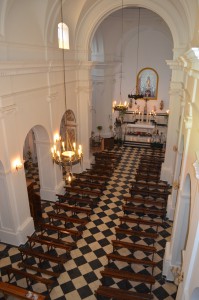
{"x": 99, "y": 161}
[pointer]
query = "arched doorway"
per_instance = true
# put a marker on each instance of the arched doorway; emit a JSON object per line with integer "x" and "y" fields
{"x": 39, "y": 169}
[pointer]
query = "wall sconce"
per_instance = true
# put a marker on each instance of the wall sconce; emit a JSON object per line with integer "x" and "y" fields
{"x": 17, "y": 164}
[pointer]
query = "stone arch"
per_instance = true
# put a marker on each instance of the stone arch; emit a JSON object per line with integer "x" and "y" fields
{"x": 90, "y": 22}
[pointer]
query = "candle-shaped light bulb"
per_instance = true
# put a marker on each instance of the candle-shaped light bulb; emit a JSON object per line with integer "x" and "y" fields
{"x": 74, "y": 146}
{"x": 125, "y": 103}
{"x": 69, "y": 178}
{"x": 58, "y": 154}
{"x": 63, "y": 145}
{"x": 79, "y": 152}
{"x": 52, "y": 150}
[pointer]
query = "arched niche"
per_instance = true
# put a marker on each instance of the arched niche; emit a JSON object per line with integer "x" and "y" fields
{"x": 68, "y": 127}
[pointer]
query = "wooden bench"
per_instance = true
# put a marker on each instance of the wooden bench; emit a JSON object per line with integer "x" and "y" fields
{"x": 131, "y": 260}
{"x": 144, "y": 211}
{"x": 66, "y": 243}
{"x": 50, "y": 244}
{"x": 130, "y": 276}
{"x": 131, "y": 232}
{"x": 29, "y": 252}
{"x": 139, "y": 221}
{"x": 92, "y": 177}
{"x": 9, "y": 289}
{"x": 147, "y": 177}
{"x": 82, "y": 192}
{"x": 145, "y": 201}
{"x": 75, "y": 200}
{"x": 30, "y": 277}
{"x": 75, "y": 210}
{"x": 38, "y": 270}
{"x": 67, "y": 220}
{"x": 150, "y": 185}
{"x": 121, "y": 294}
{"x": 136, "y": 190}
{"x": 133, "y": 246}
{"x": 100, "y": 172}
{"x": 72, "y": 232}
{"x": 86, "y": 184}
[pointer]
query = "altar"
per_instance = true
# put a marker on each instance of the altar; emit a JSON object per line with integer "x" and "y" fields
{"x": 144, "y": 127}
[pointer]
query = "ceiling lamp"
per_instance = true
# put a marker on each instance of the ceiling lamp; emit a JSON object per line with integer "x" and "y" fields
{"x": 121, "y": 107}
{"x": 65, "y": 152}
{"x": 137, "y": 96}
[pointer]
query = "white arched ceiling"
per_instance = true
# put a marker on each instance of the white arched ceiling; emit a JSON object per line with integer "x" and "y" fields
{"x": 173, "y": 15}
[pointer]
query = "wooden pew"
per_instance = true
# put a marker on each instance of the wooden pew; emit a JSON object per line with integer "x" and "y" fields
{"x": 66, "y": 243}
{"x": 74, "y": 200}
{"x": 30, "y": 277}
{"x": 74, "y": 210}
{"x": 147, "y": 192}
{"x": 133, "y": 246}
{"x": 72, "y": 232}
{"x": 150, "y": 185}
{"x": 126, "y": 275}
{"x": 99, "y": 172}
{"x": 8, "y": 289}
{"x": 145, "y": 201}
{"x": 93, "y": 178}
{"x": 144, "y": 211}
{"x": 131, "y": 260}
{"x": 139, "y": 221}
{"x": 131, "y": 232}
{"x": 38, "y": 270}
{"x": 33, "y": 240}
{"x": 29, "y": 252}
{"x": 121, "y": 294}
{"x": 86, "y": 184}
{"x": 148, "y": 178}
{"x": 83, "y": 192}
{"x": 67, "y": 220}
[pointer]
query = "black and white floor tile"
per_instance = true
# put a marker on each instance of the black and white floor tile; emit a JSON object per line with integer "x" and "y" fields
{"x": 80, "y": 275}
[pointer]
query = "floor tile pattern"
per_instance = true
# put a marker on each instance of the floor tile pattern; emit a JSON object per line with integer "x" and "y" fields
{"x": 80, "y": 275}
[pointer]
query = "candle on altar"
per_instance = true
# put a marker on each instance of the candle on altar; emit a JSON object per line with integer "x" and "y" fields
{"x": 147, "y": 118}
{"x": 142, "y": 116}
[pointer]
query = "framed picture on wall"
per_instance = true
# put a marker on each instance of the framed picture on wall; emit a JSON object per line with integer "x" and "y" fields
{"x": 147, "y": 83}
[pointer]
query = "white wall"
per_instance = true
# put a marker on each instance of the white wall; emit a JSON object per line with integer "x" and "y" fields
{"x": 155, "y": 47}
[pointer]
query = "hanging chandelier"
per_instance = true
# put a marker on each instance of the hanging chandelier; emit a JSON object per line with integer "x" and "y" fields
{"x": 65, "y": 151}
{"x": 121, "y": 107}
{"x": 64, "y": 154}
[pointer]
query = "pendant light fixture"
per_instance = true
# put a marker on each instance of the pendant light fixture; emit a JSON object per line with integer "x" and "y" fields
{"x": 65, "y": 152}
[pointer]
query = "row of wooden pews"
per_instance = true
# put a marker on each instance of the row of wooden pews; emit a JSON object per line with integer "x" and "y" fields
{"x": 50, "y": 247}
{"x": 144, "y": 211}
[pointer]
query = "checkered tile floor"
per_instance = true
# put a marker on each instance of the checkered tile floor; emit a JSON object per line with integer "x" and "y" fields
{"x": 80, "y": 275}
